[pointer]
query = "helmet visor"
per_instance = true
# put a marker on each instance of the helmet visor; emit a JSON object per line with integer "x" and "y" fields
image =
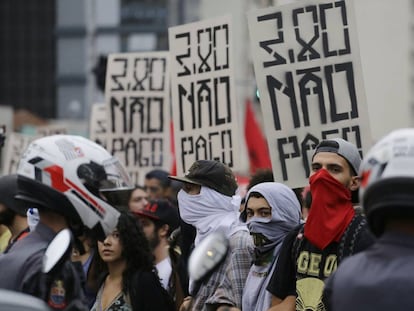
{"x": 107, "y": 180}
{"x": 116, "y": 176}
{"x": 117, "y": 187}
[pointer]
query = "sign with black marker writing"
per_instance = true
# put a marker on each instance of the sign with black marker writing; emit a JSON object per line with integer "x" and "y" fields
{"x": 15, "y": 145}
{"x": 97, "y": 124}
{"x": 137, "y": 101}
{"x": 203, "y": 94}
{"x": 308, "y": 71}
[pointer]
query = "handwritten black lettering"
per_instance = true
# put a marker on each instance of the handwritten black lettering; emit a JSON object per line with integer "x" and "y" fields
{"x": 180, "y": 58}
{"x": 116, "y": 78}
{"x": 216, "y": 145}
{"x": 266, "y": 44}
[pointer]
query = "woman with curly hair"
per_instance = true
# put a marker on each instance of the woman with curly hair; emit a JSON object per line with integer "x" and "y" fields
{"x": 130, "y": 281}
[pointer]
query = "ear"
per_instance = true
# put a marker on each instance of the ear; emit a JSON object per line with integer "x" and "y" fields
{"x": 163, "y": 231}
{"x": 168, "y": 192}
{"x": 355, "y": 183}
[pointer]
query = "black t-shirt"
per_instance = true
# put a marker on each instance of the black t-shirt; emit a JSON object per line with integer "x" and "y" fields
{"x": 302, "y": 267}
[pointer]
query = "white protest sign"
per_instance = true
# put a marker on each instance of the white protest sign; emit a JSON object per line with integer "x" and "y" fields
{"x": 98, "y": 124}
{"x": 14, "y": 146}
{"x": 203, "y": 93}
{"x": 137, "y": 101}
{"x": 308, "y": 71}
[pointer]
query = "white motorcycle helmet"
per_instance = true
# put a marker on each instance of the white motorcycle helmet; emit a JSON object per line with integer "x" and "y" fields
{"x": 69, "y": 175}
{"x": 387, "y": 179}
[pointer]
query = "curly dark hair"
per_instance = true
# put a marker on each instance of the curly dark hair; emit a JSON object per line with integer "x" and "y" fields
{"x": 136, "y": 249}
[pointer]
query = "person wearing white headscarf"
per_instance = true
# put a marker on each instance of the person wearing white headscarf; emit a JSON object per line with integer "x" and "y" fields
{"x": 272, "y": 211}
{"x": 210, "y": 211}
{"x": 209, "y": 202}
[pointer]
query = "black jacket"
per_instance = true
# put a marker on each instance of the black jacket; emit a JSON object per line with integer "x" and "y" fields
{"x": 147, "y": 294}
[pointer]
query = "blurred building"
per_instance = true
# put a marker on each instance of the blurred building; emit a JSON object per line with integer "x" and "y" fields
{"x": 28, "y": 55}
{"x": 49, "y": 48}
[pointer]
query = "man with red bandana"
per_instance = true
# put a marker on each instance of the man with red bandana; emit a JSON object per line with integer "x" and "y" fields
{"x": 333, "y": 230}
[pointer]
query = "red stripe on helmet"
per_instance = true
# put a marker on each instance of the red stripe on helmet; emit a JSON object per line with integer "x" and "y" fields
{"x": 87, "y": 197}
{"x": 56, "y": 176}
{"x": 63, "y": 184}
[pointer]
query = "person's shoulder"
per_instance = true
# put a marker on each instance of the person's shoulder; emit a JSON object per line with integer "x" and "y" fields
{"x": 147, "y": 279}
{"x": 147, "y": 292}
{"x": 145, "y": 275}
{"x": 31, "y": 247}
{"x": 293, "y": 235}
{"x": 350, "y": 266}
{"x": 364, "y": 237}
{"x": 147, "y": 282}
{"x": 241, "y": 240}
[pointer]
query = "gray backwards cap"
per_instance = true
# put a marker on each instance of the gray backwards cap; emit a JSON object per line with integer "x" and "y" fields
{"x": 343, "y": 148}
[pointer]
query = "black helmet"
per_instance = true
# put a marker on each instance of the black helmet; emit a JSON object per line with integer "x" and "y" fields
{"x": 8, "y": 190}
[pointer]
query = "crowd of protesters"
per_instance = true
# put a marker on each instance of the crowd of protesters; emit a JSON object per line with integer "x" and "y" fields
{"x": 315, "y": 248}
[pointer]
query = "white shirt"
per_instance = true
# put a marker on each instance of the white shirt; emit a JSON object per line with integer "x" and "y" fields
{"x": 164, "y": 269}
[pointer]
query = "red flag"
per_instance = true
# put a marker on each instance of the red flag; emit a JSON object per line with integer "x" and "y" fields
{"x": 255, "y": 141}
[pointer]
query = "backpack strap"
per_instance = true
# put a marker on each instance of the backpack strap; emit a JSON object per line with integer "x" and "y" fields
{"x": 347, "y": 244}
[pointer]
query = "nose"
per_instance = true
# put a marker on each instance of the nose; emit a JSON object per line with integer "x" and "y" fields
{"x": 107, "y": 242}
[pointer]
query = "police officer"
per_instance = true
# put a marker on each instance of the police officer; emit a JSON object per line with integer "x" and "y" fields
{"x": 382, "y": 277}
{"x": 64, "y": 177}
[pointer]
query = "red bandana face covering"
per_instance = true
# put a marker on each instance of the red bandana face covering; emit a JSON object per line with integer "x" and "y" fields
{"x": 331, "y": 210}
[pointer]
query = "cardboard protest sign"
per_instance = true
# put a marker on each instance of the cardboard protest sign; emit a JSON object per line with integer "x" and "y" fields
{"x": 203, "y": 94}
{"x": 14, "y": 146}
{"x": 308, "y": 71}
{"x": 138, "y": 112}
{"x": 98, "y": 124}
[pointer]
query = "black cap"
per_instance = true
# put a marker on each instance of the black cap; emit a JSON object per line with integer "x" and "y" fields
{"x": 163, "y": 211}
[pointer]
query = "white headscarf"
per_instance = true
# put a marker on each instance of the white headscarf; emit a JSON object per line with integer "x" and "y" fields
{"x": 210, "y": 211}
{"x": 285, "y": 217}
